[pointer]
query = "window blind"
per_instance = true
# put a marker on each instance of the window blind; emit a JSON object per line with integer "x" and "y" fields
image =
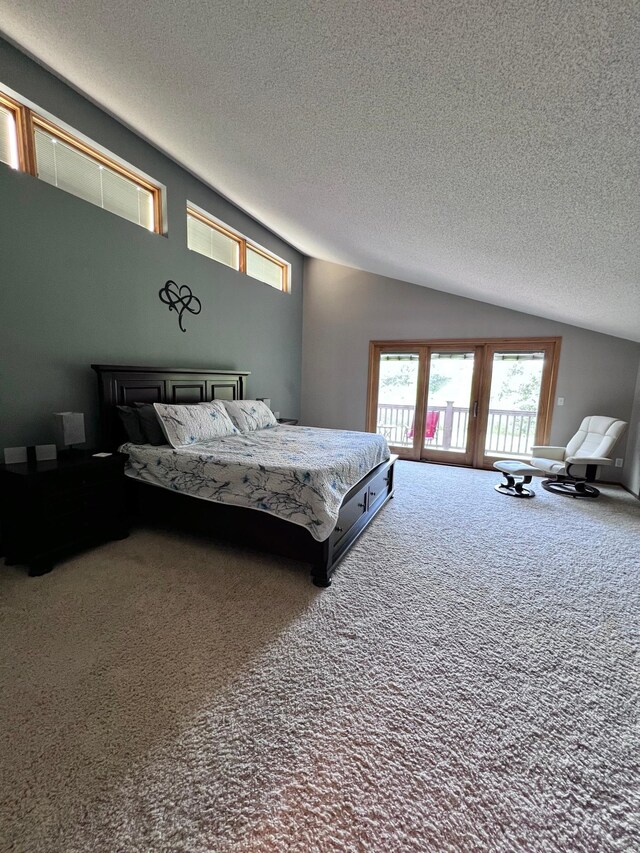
{"x": 207, "y": 240}
{"x": 264, "y": 269}
{"x": 72, "y": 170}
{"x": 8, "y": 138}
{"x": 463, "y": 356}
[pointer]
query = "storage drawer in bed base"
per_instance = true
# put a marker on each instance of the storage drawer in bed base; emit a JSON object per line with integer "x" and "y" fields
{"x": 359, "y": 507}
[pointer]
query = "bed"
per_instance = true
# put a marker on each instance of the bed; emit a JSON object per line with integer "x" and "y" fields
{"x": 205, "y": 489}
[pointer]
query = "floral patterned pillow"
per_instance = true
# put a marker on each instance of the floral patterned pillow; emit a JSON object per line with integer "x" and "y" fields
{"x": 185, "y": 425}
{"x": 249, "y": 415}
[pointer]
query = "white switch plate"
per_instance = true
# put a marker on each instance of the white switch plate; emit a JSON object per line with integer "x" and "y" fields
{"x": 619, "y": 463}
{"x": 561, "y": 401}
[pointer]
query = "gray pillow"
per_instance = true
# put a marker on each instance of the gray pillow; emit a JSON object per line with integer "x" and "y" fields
{"x": 131, "y": 423}
{"x": 150, "y": 425}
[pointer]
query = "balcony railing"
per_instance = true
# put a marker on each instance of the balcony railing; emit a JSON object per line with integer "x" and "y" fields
{"x": 509, "y": 432}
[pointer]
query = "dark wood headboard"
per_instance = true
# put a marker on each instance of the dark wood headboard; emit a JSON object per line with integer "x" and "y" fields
{"x": 123, "y": 385}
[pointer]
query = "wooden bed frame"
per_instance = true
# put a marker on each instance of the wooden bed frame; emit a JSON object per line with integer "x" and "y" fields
{"x": 124, "y": 385}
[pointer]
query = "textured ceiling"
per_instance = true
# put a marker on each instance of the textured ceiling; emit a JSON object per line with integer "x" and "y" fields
{"x": 484, "y": 147}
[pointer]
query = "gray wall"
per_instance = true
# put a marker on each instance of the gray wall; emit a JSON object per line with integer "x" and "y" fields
{"x": 345, "y": 308}
{"x": 632, "y": 468}
{"x": 80, "y": 285}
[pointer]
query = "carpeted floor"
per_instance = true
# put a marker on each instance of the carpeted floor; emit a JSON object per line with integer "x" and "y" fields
{"x": 469, "y": 683}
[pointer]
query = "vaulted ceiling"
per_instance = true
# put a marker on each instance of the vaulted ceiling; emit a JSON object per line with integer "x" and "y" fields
{"x": 487, "y": 148}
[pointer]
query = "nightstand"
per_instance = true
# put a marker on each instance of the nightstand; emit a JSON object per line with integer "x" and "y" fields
{"x": 48, "y": 509}
{"x": 291, "y": 421}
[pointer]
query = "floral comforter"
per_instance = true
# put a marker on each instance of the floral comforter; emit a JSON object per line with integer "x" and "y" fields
{"x": 300, "y": 474}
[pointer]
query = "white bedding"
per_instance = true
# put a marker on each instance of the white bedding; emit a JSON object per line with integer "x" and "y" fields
{"x": 300, "y": 474}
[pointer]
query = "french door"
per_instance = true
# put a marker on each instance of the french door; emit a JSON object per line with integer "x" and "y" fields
{"x": 462, "y": 402}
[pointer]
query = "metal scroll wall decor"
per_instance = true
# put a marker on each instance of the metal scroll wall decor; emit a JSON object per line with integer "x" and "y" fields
{"x": 180, "y": 299}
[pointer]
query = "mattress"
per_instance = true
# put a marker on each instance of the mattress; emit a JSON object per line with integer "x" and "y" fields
{"x": 300, "y": 474}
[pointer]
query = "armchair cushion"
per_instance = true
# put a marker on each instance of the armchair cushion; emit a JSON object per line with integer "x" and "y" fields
{"x": 549, "y": 452}
{"x": 549, "y": 466}
{"x": 596, "y": 437}
{"x": 588, "y": 460}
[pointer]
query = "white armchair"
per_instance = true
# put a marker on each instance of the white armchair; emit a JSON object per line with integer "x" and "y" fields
{"x": 573, "y": 468}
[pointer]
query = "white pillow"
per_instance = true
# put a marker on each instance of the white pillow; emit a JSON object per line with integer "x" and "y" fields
{"x": 185, "y": 425}
{"x": 249, "y": 415}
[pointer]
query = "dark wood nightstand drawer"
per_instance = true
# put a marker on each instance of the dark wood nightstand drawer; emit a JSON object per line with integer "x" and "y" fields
{"x": 80, "y": 476}
{"x": 84, "y": 499}
{"x": 66, "y": 531}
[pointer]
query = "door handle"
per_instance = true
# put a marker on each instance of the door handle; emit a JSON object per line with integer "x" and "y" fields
{"x": 475, "y": 408}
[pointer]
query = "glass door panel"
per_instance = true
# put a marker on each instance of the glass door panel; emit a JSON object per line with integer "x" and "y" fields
{"x": 398, "y": 383}
{"x": 464, "y": 402}
{"x": 450, "y": 405}
{"x": 514, "y": 402}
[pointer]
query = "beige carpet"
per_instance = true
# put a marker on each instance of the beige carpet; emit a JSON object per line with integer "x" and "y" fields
{"x": 469, "y": 683}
